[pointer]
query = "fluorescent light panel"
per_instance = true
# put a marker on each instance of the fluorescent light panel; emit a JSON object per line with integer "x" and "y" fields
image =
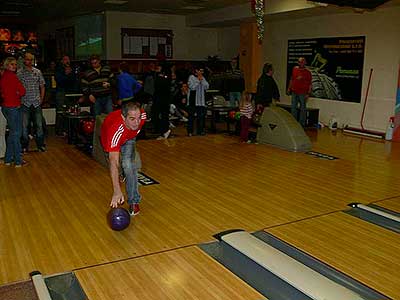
{"x": 115, "y": 2}
{"x": 193, "y": 7}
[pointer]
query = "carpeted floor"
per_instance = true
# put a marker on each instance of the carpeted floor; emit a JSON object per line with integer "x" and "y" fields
{"x": 18, "y": 291}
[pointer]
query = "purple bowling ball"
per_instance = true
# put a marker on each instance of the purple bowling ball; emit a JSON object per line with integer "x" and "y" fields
{"x": 118, "y": 218}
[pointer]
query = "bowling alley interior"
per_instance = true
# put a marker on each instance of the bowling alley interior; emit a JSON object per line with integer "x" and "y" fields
{"x": 181, "y": 149}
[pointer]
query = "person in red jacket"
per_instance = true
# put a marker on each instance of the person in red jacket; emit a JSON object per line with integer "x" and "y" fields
{"x": 11, "y": 91}
{"x": 300, "y": 88}
{"x": 118, "y": 137}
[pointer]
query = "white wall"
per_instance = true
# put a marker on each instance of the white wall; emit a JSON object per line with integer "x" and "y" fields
{"x": 228, "y": 42}
{"x": 382, "y": 54}
{"x": 188, "y": 44}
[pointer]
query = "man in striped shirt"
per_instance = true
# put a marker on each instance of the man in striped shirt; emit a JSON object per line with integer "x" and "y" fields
{"x": 96, "y": 85}
{"x": 118, "y": 138}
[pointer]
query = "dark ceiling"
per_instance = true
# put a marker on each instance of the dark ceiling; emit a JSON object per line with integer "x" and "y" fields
{"x": 53, "y": 9}
{"x": 33, "y": 11}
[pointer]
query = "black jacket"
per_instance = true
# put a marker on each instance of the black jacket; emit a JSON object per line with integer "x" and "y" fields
{"x": 267, "y": 89}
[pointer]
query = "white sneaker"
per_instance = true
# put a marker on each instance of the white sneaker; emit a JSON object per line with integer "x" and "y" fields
{"x": 171, "y": 125}
{"x": 166, "y": 135}
{"x": 183, "y": 119}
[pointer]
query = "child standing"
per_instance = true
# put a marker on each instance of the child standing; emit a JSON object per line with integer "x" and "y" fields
{"x": 246, "y": 112}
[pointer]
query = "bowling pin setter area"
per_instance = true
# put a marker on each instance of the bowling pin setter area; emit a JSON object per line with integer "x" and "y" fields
{"x": 376, "y": 215}
{"x": 279, "y": 271}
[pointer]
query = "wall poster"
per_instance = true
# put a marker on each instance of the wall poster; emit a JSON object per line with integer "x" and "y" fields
{"x": 146, "y": 43}
{"x": 336, "y": 65}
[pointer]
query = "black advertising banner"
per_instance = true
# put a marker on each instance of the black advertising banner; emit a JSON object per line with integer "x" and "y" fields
{"x": 336, "y": 65}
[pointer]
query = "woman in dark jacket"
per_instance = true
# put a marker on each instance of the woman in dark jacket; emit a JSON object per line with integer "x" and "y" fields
{"x": 267, "y": 89}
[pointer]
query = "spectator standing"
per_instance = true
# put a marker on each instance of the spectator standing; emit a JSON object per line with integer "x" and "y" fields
{"x": 126, "y": 83}
{"x": 162, "y": 101}
{"x": 33, "y": 81}
{"x": 96, "y": 85}
{"x": 300, "y": 88}
{"x": 267, "y": 89}
{"x": 66, "y": 82}
{"x": 11, "y": 91}
{"x": 197, "y": 101}
{"x": 246, "y": 113}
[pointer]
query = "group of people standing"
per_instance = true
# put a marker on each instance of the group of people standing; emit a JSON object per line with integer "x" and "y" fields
{"x": 300, "y": 88}
{"x": 182, "y": 95}
{"x": 22, "y": 94}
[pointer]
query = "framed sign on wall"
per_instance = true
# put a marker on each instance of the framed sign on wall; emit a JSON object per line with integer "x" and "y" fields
{"x": 336, "y": 65}
{"x": 146, "y": 43}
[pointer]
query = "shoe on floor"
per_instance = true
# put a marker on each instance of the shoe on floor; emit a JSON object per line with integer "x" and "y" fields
{"x": 22, "y": 164}
{"x": 166, "y": 135}
{"x": 134, "y": 209}
{"x": 42, "y": 149}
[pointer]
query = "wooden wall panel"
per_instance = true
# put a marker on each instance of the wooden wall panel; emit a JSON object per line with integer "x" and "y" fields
{"x": 250, "y": 55}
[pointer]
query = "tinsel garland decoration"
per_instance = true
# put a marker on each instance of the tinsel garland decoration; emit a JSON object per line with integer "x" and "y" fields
{"x": 257, "y": 7}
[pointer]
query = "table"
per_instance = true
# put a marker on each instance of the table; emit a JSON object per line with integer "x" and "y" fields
{"x": 73, "y": 125}
{"x": 72, "y": 99}
{"x": 215, "y": 111}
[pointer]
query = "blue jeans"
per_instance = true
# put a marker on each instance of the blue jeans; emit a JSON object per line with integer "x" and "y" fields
{"x": 13, "y": 143}
{"x": 3, "y": 125}
{"x": 130, "y": 170}
{"x": 103, "y": 105}
{"x": 29, "y": 115}
{"x": 301, "y": 117}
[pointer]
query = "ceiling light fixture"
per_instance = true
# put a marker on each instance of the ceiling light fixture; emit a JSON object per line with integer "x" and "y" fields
{"x": 10, "y": 12}
{"x": 115, "y": 2}
{"x": 193, "y": 7}
{"x": 195, "y": 1}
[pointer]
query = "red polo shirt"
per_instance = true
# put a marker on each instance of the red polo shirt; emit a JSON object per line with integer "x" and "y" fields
{"x": 114, "y": 133}
{"x": 301, "y": 81}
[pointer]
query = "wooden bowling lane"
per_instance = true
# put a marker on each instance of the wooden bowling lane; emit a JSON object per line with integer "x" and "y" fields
{"x": 366, "y": 252}
{"x": 392, "y": 204}
{"x": 186, "y": 273}
{"x": 52, "y": 212}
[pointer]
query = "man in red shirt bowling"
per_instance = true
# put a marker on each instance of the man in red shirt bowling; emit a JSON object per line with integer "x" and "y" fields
{"x": 300, "y": 88}
{"x": 118, "y": 138}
